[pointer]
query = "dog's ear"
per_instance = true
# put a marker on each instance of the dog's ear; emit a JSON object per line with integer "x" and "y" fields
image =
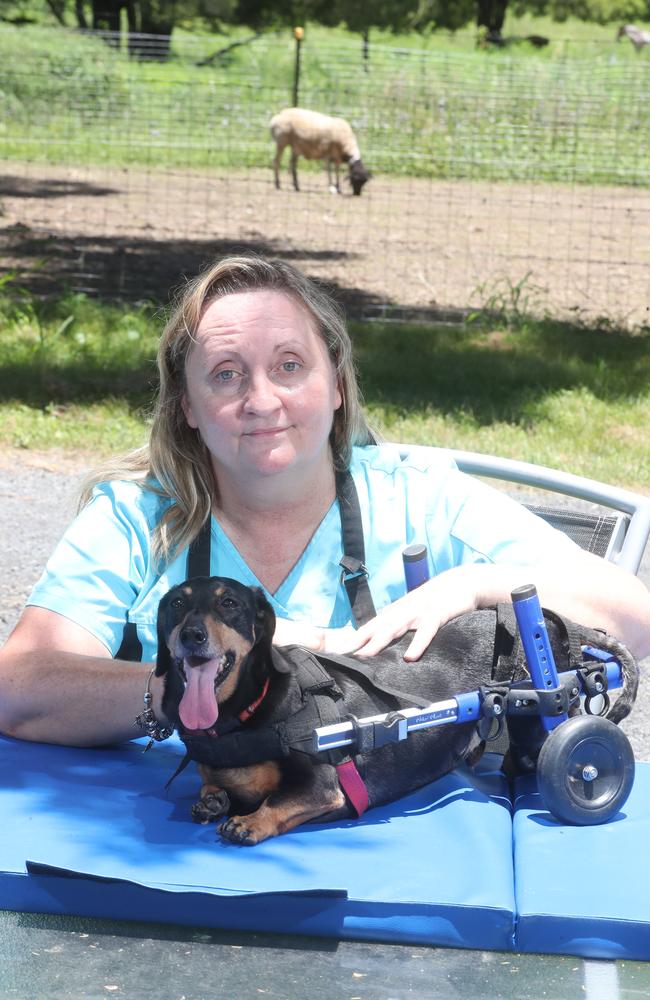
{"x": 163, "y": 658}
{"x": 264, "y": 619}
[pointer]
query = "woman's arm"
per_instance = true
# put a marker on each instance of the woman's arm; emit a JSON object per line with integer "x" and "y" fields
{"x": 59, "y": 684}
{"x": 585, "y": 588}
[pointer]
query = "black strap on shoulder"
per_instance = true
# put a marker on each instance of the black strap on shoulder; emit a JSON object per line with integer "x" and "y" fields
{"x": 131, "y": 647}
{"x": 569, "y": 639}
{"x": 354, "y": 575}
{"x": 354, "y": 666}
{"x": 508, "y": 650}
{"x": 198, "y": 554}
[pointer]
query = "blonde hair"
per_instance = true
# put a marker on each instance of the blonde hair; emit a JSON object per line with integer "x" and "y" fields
{"x": 176, "y": 463}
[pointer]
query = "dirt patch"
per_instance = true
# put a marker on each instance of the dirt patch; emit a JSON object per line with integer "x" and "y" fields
{"x": 54, "y": 460}
{"x": 411, "y": 245}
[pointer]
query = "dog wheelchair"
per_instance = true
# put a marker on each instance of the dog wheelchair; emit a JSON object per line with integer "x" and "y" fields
{"x": 584, "y": 763}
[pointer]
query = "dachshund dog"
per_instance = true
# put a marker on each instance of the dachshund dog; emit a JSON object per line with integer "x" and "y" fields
{"x": 246, "y": 710}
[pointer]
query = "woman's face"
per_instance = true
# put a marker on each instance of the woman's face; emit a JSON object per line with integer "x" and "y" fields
{"x": 261, "y": 388}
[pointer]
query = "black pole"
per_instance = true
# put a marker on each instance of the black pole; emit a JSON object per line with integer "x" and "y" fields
{"x": 298, "y": 34}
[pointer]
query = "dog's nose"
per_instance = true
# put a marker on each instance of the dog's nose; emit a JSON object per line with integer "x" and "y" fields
{"x": 194, "y": 635}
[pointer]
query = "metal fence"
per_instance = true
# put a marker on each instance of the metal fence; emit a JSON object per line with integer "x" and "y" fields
{"x": 512, "y": 180}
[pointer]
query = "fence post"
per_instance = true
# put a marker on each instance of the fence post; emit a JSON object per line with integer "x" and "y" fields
{"x": 298, "y": 34}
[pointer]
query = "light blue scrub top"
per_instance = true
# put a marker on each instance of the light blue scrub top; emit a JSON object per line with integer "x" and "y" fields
{"x": 102, "y": 575}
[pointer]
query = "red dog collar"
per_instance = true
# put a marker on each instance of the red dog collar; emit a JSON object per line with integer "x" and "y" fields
{"x": 247, "y": 712}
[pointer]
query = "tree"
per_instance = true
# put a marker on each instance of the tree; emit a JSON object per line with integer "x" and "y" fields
{"x": 143, "y": 17}
{"x": 597, "y": 11}
{"x": 490, "y": 15}
{"x": 158, "y": 17}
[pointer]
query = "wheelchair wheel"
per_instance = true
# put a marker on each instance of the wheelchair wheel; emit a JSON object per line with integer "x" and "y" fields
{"x": 585, "y": 770}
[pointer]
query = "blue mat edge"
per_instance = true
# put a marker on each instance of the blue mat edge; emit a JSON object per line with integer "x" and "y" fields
{"x": 587, "y": 937}
{"x": 314, "y": 914}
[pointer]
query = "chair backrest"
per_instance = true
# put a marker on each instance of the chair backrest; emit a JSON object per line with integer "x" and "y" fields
{"x": 620, "y": 534}
{"x": 602, "y": 534}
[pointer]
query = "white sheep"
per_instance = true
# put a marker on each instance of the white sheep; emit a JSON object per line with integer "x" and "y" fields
{"x": 638, "y": 37}
{"x": 317, "y": 137}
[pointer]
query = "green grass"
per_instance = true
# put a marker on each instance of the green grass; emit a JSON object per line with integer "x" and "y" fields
{"x": 75, "y": 374}
{"x": 431, "y": 107}
{"x": 566, "y": 396}
{"x": 79, "y": 376}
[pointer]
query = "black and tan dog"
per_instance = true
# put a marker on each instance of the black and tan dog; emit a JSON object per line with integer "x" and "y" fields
{"x": 246, "y": 710}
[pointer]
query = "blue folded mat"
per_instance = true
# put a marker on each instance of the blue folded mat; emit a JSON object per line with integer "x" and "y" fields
{"x": 94, "y": 832}
{"x": 583, "y": 890}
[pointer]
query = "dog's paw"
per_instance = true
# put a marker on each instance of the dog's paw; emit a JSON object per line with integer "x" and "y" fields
{"x": 210, "y": 807}
{"x": 238, "y": 831}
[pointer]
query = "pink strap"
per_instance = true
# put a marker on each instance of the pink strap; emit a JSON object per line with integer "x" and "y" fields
{"x": 353, "y": 785}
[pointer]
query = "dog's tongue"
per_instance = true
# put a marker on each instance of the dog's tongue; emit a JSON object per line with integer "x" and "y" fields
{"x": 198, "y": 708}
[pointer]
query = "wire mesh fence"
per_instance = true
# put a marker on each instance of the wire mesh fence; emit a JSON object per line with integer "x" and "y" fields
{"x": 504, "y": 179}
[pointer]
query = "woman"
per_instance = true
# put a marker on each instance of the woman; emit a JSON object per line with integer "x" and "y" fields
{"x": 258, "y": 436}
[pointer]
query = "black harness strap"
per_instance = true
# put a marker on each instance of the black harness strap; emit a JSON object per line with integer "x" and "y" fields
{"x": 352, "y": 666}
{"x": 130, "y": 647}
{"x": 198, "y": 554}
{"x": 508, "y": 650}
{"x": 570, "y": 637}
{"x": 354, "y": 574}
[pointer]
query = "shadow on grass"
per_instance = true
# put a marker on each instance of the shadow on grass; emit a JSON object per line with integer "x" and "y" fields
{"x": 83, "y": 383}
{"x": 490, "y": 370}
{"x": 494, "y": 375}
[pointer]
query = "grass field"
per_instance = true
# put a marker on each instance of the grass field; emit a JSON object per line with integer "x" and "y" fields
{"x": 575, "y": 111}
{"x": 79, "y": 376}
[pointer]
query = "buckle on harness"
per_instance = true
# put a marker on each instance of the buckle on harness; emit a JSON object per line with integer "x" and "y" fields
{"x": 352, "y": 568}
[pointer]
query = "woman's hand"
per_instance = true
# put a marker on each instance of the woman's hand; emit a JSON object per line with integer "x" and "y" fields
{"x": 424, "y": 611}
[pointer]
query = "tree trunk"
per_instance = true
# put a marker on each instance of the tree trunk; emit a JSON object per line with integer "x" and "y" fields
{"x": 106, "y": 17}
{"x": 57, "y": 9}
{"x": 155, "y": 20}
{"x": 490, "y": 15}
{"x": 80, "y": 15}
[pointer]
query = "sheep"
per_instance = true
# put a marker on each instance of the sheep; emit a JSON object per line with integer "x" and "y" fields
{"x": 638, "y": 37}
{"x": 317, "y": 137}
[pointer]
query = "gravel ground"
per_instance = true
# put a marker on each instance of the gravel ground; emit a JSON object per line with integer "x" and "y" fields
{"x": 37, "y": 500}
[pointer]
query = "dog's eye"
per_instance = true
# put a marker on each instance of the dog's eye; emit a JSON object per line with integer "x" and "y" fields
{"x": 178, "y": 602}
{"x": 228, "y": 602}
